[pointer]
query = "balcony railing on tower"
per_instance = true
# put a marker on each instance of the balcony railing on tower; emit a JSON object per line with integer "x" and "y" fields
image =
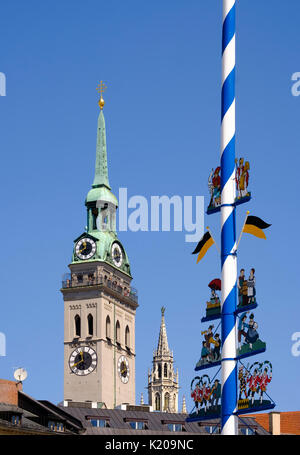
{"x": 79, "y": 279}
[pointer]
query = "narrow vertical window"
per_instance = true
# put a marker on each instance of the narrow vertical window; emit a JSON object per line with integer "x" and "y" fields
{"x": 157, "y": 402}
{"x": 167, "y": 402}
{"x": 159, "y": 370}
{"x": 77, "y": 326}
{"x": 90, "y": 324}
{"x": 118, "y": 332}
{"x": 165, "y": 370}
{"x": 95, "y": 215}
{"x": 127, "y": 337}
{"x": 108, "y": 327}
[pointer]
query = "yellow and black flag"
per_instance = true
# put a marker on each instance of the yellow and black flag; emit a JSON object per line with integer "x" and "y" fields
{"x": 255, "y": 226}
{"x": 205, "y": 243}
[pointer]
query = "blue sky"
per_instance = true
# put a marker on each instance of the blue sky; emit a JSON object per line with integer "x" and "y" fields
{"x": 162, "y": 64}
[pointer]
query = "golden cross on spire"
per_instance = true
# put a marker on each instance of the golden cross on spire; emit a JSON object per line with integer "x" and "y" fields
{"x": 101, "y": 89}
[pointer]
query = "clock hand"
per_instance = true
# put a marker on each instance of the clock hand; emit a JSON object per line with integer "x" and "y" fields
{"x": 77, "y": 363}
{"x": 84, "y": 247}
{"x": 82, "y": 359}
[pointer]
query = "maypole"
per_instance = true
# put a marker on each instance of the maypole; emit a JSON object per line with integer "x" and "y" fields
{"x": 244, "y": 392}
{"x": 228, "y": 224}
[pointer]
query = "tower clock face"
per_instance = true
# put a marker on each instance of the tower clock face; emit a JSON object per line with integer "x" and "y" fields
{"x": 85, "y": 248}
{"x": 123, "y": 369}
{"x": 83, "y": 361}
{"x": 117, "y": 254}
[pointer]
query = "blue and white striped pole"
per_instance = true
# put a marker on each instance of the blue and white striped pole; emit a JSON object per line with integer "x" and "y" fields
{"x": 228, "y": 224}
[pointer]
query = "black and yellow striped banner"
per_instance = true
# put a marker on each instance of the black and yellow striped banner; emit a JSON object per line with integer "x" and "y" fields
{"x": 203, "y": 246}
{"x": 255, "y": 226}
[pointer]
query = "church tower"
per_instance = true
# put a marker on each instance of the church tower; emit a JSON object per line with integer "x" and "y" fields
{"x": 163, "y": 381}
{"x": 99, "y": 302}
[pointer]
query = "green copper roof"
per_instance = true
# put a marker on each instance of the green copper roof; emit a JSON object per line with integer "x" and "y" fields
{"x": 103, "y": 253}
{"x": 101, "y": 171}
{"x": 101, "y": 194}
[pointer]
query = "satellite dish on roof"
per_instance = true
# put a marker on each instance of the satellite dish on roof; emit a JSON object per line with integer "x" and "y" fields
{"x": 20, "y": 374}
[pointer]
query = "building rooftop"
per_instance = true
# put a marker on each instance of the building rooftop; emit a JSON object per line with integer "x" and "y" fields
{"x": 121, "y": 422}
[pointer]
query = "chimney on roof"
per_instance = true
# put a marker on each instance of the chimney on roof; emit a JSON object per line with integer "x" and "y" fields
{"x": 274, "y": 423}
{"x": 9, "y": 391}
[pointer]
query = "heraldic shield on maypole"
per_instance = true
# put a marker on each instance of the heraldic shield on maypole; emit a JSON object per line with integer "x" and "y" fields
{"x": 231, "y": 331}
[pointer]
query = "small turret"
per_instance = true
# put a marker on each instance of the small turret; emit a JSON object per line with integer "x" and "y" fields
{"x": 183, "y": 409}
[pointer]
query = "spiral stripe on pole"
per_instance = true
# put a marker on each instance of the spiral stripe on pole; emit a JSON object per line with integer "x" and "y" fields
{"x": 228, "y": 223}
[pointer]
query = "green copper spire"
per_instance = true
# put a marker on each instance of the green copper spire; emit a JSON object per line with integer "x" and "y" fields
{"x": 101, "y": 170}
{"x": 101, "y": 190}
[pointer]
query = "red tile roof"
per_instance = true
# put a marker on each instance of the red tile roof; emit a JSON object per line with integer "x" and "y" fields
{"x": 289, "y": 421}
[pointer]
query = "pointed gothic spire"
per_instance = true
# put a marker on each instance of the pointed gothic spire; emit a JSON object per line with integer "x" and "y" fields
{"x": 163, "y": 346}
{"x": 101, "y": 170}
{"x": 142, "y": 399}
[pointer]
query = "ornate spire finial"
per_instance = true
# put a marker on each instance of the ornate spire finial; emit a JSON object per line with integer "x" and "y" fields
{"x": 163, "y": 346}
{"x": 101, "y": 88}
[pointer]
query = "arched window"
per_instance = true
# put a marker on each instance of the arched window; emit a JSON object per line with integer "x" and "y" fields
{"x": 108, "y": 327}
{"x": 157, "y": 402}
{"x": 174, "y": 402}
{"x": 127, "y": 337}
{"x": 77, "y": 326}
{"x": 165, "y": 370}
{"x": 95, "y": 215}
{"x": 90, "y": 324}
{"x": 118, "y": 332}
{"x": 167, "y": 402}
{"x": 159, "y": 370}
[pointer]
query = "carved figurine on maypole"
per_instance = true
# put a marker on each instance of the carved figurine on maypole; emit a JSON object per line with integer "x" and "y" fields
{"x": 246, "y": 289}
{"x": 211, "y": 349}
{"x": 242, "y": 177}
{"x": 249, "y": 342}
{"x": 214, "y": 185}
{"x": 242, "y": 180}
{"x": 253, "y": 383}
{"x": 206, "y": 394}
{"x": 213, "y": 305}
